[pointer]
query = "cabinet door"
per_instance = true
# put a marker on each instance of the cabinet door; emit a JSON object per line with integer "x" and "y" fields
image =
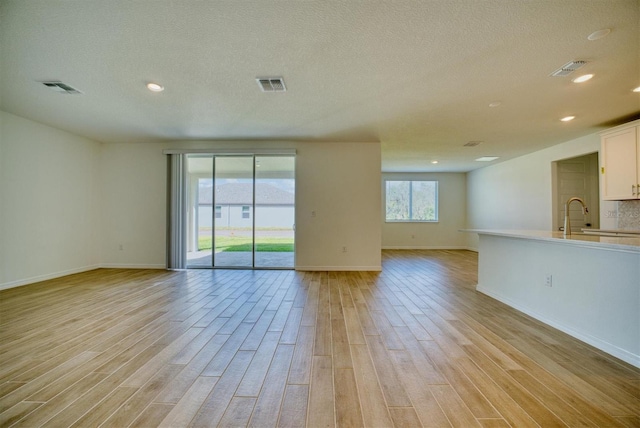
{"x": 620, "y": 159}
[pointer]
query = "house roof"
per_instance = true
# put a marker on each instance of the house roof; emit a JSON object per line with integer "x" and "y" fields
{"x": 418, "y": 76}
{"x": 241, "y": 194}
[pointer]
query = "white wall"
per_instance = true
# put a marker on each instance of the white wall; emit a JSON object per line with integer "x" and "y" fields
{"x": 133, "y": 205}
{"x": 49, "y": 217}
{"x": 452, "y": 211}
{"x": 518, "y": 194}
{"x": 339, "y": 181}
{"x": 69, "y": 204}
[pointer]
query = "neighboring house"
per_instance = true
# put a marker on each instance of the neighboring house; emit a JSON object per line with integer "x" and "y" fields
{"x": 234, "y": 206}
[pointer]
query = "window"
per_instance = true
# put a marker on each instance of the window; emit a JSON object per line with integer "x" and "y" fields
{"x": 218, "y": 211}
{"x": 411, "y": 200}
{"x": 245, "y": 212}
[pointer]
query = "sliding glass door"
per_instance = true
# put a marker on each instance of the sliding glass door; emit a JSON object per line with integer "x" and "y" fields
{"x": 241, "y": 211}
{"x": 199, "y": 193}
{"x": 274, "y": 211}
{"x": 233, "y": 212}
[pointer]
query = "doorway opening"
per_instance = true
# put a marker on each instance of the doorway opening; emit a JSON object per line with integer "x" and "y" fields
{"x": 579, "y": 177}
{"x": 241, "y": 211}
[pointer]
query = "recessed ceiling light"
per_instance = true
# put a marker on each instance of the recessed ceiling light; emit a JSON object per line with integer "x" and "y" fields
{"x": 487, "y": 158}
{"x": 154, "y": 87}
{"x": 494, "y": 104}
{"x": 582, "y": 78}
{"x": 434, "y": 162}
{"x": 637, "y": 89}
{"x": 596, "y": 35}
{"x": 568, "y": 118}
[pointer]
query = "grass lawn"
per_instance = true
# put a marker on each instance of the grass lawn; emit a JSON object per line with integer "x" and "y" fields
{"x": 240, "y": 243}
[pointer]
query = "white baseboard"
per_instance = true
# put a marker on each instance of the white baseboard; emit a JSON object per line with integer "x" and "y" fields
{"x": 39, "y": 278}
{"x": 339, "y": 268}
{"x": 131, "y": 266}
{"x": 607, "y": 347}
{"x": 46, "y": 277}
{"x": 426, "y": 247}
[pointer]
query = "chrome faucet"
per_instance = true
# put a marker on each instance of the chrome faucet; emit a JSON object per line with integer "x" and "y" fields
{"x": 567, "y": 221}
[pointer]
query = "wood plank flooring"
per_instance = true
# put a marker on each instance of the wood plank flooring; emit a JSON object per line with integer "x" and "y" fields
{"x": 414, "y": 345}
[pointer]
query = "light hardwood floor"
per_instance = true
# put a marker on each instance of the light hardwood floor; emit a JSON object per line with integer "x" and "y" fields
{"x": 415, "y": 345}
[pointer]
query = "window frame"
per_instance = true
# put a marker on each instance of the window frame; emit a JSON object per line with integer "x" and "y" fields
{"x": 410, "y": 220}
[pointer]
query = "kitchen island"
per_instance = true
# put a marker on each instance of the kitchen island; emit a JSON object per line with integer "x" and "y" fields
{"x": 587, "y": 286}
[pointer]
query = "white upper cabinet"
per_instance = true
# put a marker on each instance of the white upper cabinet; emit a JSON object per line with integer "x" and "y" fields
{"x": 621, "y": 163}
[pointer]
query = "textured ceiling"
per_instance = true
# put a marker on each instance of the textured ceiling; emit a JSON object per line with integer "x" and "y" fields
{"x": 415, "y": 75}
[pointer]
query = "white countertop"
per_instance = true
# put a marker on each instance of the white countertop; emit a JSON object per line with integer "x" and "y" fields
{"x": 622, "y": 232}
{"x": 618, "y": 243}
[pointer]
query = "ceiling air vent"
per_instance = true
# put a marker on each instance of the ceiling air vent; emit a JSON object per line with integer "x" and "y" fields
{"x": 568, "y": 68}
{"x": 271, "y": 84}
{"x": 63, "y": 88}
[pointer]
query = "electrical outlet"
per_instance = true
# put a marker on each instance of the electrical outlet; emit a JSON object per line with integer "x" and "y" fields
{"x": 120, "y": 247}
{"x": 313, "y": 213}
{"x": 344, "y": 249}
{"x": 548, "y": 280}
{"x": 413, "y": 236}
